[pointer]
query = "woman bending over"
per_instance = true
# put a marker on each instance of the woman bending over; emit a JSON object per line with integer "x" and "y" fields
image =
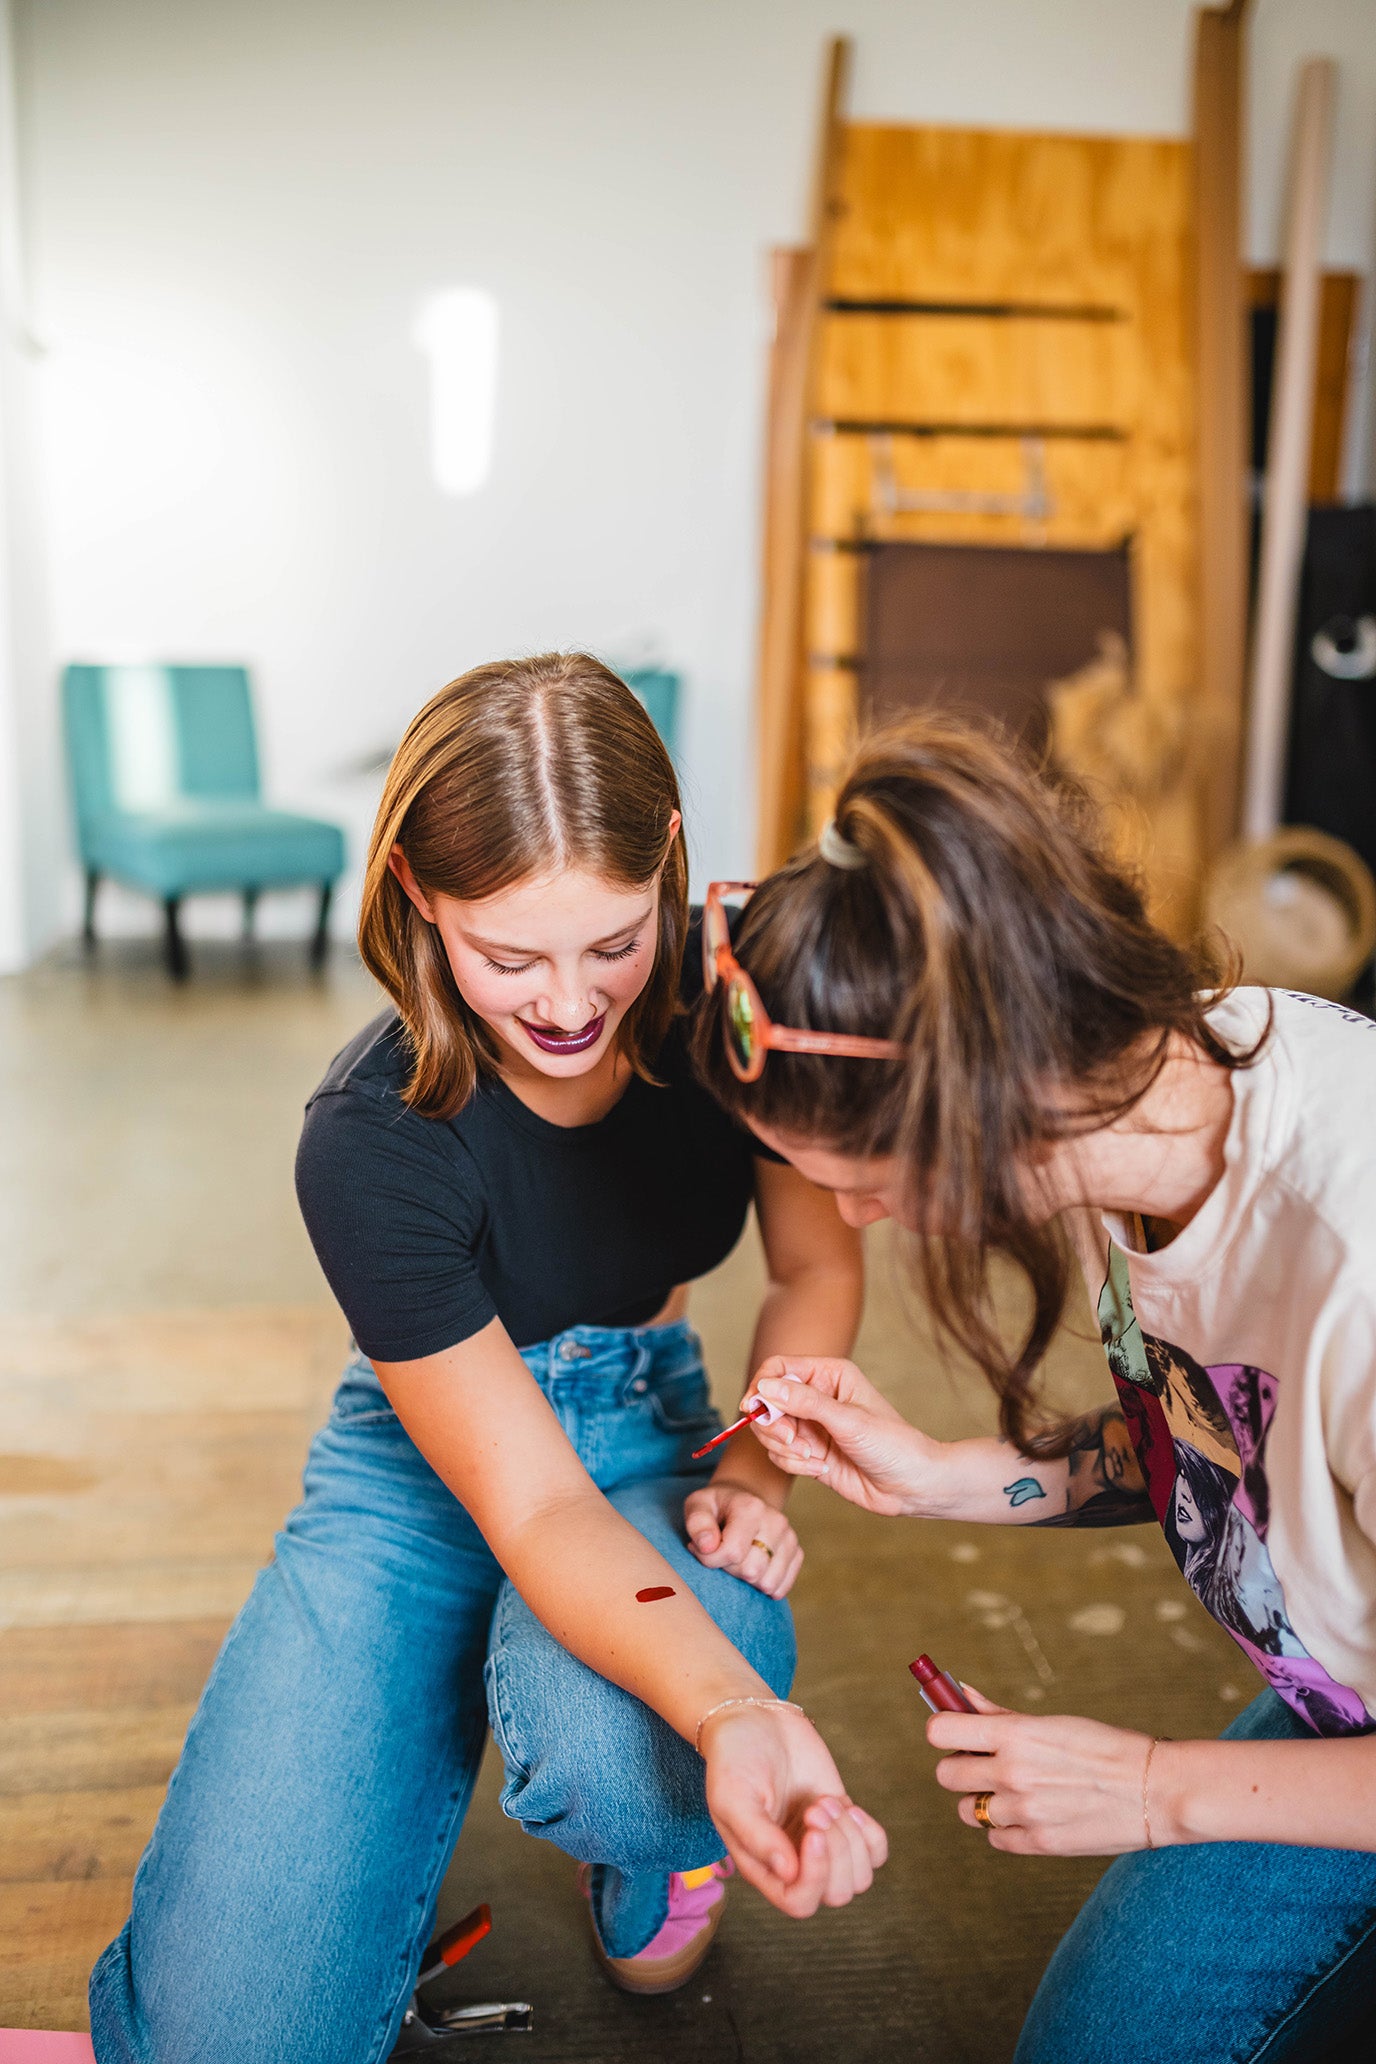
{"x": 1063, "y": 1083}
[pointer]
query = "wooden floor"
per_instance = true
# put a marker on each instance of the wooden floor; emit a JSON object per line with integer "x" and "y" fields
{"x": 147, "y": 1464}
{"x": 166, "y": 1349}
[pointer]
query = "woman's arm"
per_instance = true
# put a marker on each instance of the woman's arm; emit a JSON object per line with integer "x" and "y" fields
{"x": 1068, "y": 1787}
{"x": 481, "y": 1421}
{"x": 815, "y": 1293}
{"x": 839, "y": 1428}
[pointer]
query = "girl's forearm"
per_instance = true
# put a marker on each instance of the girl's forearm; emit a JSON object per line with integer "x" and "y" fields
{"x": 1316, "y": 1794}
{"x": 578, "y": 1565}
{"x": 816, "y": 1312}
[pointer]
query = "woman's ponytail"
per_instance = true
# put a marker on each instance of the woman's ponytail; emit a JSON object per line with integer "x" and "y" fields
{"x": 988, "y": 931}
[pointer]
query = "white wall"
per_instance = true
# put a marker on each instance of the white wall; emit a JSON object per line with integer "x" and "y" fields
{"x": 33, "y": 842}
{"x": 235, "y": 209}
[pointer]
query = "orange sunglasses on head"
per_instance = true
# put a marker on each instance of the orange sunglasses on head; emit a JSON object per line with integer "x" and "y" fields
{"x": 749, "y": 1030}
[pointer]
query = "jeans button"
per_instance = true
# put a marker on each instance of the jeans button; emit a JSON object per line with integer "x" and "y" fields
{"x": 640, "y": 1386}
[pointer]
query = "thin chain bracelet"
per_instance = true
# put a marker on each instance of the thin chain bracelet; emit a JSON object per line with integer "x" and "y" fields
{"x": 1155, "y": 1743}
{"x": 722, "y": 1705}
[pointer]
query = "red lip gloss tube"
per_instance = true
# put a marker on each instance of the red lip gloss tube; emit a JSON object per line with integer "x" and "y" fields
{"x": 939, "y": 1687}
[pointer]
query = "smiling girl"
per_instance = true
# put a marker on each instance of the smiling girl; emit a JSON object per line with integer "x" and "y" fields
{"x": 510, "y": 1178}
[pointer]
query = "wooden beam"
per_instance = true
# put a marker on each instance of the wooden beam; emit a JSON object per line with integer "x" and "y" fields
{"x": 1222, "y": 415}
{"x": 1287, "y": 458}
{"x": 798, "y": 280}
{"x": 779, "y": 740}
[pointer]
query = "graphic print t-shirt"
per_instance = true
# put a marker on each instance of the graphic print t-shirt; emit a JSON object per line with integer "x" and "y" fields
{"x": 1244, "y": 1355}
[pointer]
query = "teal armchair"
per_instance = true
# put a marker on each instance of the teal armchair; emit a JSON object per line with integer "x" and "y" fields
{"x": 164, "y": 771}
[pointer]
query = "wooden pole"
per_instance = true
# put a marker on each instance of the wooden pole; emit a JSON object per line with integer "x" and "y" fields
{"x": 780, "y": 728}
{"x": 1287, "y": 465}
{"x": 798, "y": 277}
{"x": 1223, "y": 408}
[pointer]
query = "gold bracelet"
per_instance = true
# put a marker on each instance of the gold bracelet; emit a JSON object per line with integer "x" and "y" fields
{"x": 722, "y": 1705}
{"x": 1152, "y": 1747}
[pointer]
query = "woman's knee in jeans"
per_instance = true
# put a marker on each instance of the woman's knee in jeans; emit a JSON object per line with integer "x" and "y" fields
{"x": 590, "y": 1767}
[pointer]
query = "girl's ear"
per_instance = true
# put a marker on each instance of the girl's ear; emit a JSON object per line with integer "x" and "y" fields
{"x": 675, "y": 827}
{"x": 401, "y": 868}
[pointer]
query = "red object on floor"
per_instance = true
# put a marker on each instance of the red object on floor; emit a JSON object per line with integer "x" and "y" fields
{"x": 453, "y": 1946}
{"x": 465, "y": 1935}
{"x": 44, "y": 2046}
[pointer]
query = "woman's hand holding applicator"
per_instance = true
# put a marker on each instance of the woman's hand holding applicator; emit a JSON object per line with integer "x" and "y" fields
{"x": 1056, "y": 1784}
{"x": 835, "y": 1425}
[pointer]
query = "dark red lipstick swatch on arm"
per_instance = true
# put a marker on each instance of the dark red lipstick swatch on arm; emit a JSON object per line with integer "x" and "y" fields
{"x": 655, "y": 1591}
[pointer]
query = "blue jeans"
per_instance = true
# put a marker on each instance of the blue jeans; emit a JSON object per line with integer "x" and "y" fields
{"x": 1219, "y": 1953}
{"x": 289, "y": 1889}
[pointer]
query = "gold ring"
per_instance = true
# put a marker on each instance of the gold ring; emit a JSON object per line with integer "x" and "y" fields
{"x": 758, "y": 1543}
{"x": 982, "y": 1809}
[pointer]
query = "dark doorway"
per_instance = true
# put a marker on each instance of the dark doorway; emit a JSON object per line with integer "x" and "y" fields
{"x": 981, "y": 630}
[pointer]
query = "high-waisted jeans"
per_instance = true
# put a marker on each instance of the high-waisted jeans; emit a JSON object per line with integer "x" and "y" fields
{"x": 289, "y": 1889}
{"x": 1216, "y": 1952}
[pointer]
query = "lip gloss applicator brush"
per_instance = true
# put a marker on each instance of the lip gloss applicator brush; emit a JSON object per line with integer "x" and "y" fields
{"x": 761, "y": 1413}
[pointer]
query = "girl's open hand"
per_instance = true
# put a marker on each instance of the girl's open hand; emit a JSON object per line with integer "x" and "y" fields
{"x": 839, "y": 1428}
{"x": 731, "y": 1527}
{"x": 1060, "y": 1786}
{"x": 781, "y": 1808}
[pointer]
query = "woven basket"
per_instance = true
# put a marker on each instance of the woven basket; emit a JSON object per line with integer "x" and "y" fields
{"x": 1300, "y": 907}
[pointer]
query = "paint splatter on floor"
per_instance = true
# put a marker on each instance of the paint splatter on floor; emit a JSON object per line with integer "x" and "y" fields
{"x": 655, "y": 1591}
{"x": 1126, "y": 1552}
{"x": 1098, "y": 1619}
{"x": 996, "y": 1611}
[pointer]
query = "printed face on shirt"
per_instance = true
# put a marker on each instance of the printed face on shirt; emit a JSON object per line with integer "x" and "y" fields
{"x": 553, "y": 965}
{"x": 1200, "y": 1437}
{"x": 1188, "y": 1522}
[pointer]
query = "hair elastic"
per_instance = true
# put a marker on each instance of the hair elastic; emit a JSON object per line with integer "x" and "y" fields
{"x": 836, "y": 849}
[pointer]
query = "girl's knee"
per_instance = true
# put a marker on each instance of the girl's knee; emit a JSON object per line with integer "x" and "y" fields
{"x": 591, "y": 1768}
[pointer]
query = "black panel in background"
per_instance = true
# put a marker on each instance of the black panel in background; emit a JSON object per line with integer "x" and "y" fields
{"x": 1331, "y": 780}
{"x": 1265, "y": 325}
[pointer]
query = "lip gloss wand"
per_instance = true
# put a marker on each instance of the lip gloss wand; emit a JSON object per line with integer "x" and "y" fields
{"x": 760, "y": 1411}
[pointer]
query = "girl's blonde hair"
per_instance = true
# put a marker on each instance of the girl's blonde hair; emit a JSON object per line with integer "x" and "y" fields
{"x": 517, "y": 769}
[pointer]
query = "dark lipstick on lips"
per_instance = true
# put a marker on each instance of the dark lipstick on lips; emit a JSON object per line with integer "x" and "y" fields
{"x": 551, "y": 1040}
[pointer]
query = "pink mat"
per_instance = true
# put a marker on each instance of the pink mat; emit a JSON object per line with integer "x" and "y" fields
{"x": 42, "y": 2046}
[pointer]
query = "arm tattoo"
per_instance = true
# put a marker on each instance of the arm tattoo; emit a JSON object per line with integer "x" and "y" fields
{"x": 1104, "y": 1486}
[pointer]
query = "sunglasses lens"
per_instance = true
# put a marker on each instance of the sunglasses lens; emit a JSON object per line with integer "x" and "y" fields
{"x": 742, "y": 1030}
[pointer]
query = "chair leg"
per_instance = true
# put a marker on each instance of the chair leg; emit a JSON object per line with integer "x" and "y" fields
{"x": 88, "y": 922}
{"x": 175, "y": 944}
{"x": 250, "y": 905}
{"x": 320, "y": 943}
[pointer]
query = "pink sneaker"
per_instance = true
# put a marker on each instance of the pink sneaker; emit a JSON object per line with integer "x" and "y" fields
{"x": 697, "y": 1901}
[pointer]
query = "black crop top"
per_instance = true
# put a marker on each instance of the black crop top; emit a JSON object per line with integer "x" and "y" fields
{"x": 427, "y": 1228}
